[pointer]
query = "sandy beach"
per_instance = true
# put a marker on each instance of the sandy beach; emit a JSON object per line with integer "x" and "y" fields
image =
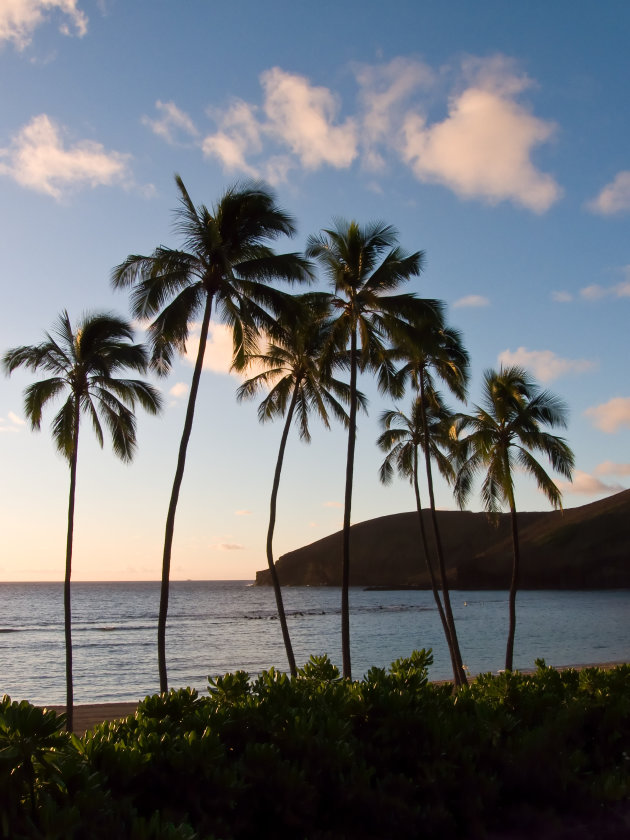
{"x": 89, "y": 715}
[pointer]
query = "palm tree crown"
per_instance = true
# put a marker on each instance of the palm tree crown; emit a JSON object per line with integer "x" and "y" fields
{"x": 505, "y": 430}
{"x": 83, "y": 363}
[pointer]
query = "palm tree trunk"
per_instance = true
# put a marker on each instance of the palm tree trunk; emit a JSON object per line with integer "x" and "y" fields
{"x": 429, "y": 565}
{"x": 509, "y": 653}
{"x": 67, "y": 609}
{"x": 177, "y": 482}
{"x": 460, "y": 679}
{"x": 345, "y": 567}
{"x": 272, "y": 522}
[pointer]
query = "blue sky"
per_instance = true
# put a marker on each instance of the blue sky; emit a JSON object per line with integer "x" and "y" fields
{"x": 493, "y": 135}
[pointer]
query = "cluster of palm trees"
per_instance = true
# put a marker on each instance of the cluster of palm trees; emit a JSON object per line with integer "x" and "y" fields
{"x": 300, "y": 347}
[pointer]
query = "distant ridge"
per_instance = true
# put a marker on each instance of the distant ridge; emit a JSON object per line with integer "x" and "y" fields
{"x": 586, "y": 547}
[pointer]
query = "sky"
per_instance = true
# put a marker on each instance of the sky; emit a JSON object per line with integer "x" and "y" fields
{"x": 494, "y": 136}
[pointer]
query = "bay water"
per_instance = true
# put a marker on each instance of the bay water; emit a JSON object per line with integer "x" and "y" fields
{"x": 219, "y": 626}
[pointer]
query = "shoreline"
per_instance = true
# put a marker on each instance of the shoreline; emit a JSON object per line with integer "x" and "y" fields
{"x": 89, "y": 715}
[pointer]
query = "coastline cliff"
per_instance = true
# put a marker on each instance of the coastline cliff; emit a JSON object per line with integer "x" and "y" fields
{"x": 586, "y": 547}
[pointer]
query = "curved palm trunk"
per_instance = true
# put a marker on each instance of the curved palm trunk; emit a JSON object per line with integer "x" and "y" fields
{"x": 67, "y": 609}
{"x": 429, "y": 565}
{"x": 177, "y": 482}
{"x": 272, "y": 522}
{"x": 345, "y": 567}
{"x": 460, "y": 677}
{"x": 509, "y": 653}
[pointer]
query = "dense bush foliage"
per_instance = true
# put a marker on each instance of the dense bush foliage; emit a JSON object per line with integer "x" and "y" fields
{"x": 320, "y": 757}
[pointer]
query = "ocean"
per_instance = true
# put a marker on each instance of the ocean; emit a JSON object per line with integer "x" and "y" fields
{"x": 219, "y": 626}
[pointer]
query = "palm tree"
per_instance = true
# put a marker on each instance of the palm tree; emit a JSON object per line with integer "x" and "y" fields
{"x": 227, "y": 264}
{"x": 505, "y": 430}
{"x": 364, "y": 264}
{"x": 83, "y": 364}
{"x": 431, "y": 350}
{"x": 292, "y": 373}
{"x": 401, "y": 438}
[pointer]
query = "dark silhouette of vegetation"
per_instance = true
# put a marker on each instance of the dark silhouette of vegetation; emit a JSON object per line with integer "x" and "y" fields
{"x": 296, "y": 387}
{"x": 226, "y": 264}
{"x": 315, "y": 755}
{"x": 504, "y": 432}
{"x": 83, "y": 364}
{"x": 364, "y": 265}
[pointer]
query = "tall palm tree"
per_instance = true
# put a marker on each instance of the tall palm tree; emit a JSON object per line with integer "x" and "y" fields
{"x": 504, "y": 432}
{"x": 292, "y": 373}
{"x": 431, "y": 350}
{"x": 83, "y": 364}
{"x": 403, "y": 435}
{"x": 363, "y": 265}
{"x": 226, "y": 264}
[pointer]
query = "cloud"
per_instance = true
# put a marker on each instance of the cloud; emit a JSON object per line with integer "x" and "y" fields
{"x": 585, "y": 484}
{"x": 179, "y": 390}
{"x": 13, "y": 425}
{"x": 383, "y": 90}
{"x": 544, "y": 364}
{"x": 38, "y": 160}
{"x": 19, "y": 19}
{"x": 483, "y": 148}
{"x": 228, "y": 547}
{"x": 219, "y": 350}
{"x": 614, "y": 198}
{"x": 303, "y": 116}
{"x": 611, "y": 416}
{"x": 172, "y": 122}
{"x": 472, "y": 301}
{"x": 333, "y": 504}
{"x": 300, "y": 117}
{"x": 562, "y": 297}
{"x": 243, "y": 512}
{"x": 611, "y": 468}
{"x": 239, "y": 135}
{"x": 596, "y": 292}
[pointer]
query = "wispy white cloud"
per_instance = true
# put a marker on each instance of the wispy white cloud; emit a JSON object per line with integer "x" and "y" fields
{"x": 471, "y": 301}
{"x": 614, "y": 198}
{"x": 612, "y": 468}
{"x": 585, "y": 484}
{"x": 38, "y": 160}
{"x": 596, "y": 292}
{"x": 612, "y": 415}
{"x": 228, "y": 546}
{"x": 243, "y": 512}
{"x": 20, "y": 18}
{"x": 14, "y": 423}
{"x": 179, "y": 390}
{"x": 172, "y": 122}
{"x": 545, "y": 364}
{"x": 333, "y": 504}
{"x": 297, "y": 116}
{"x": 219, "y": 349}
{"x": 303, "y": 116}
{"x": 483, "y": 148}
{"x": 562, "y": 297}
{"x": 384, "y": 92}
{"x": 239, "y": 136}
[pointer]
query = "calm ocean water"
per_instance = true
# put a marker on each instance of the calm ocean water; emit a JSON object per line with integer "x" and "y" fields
{"x": 219, "y": 626}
